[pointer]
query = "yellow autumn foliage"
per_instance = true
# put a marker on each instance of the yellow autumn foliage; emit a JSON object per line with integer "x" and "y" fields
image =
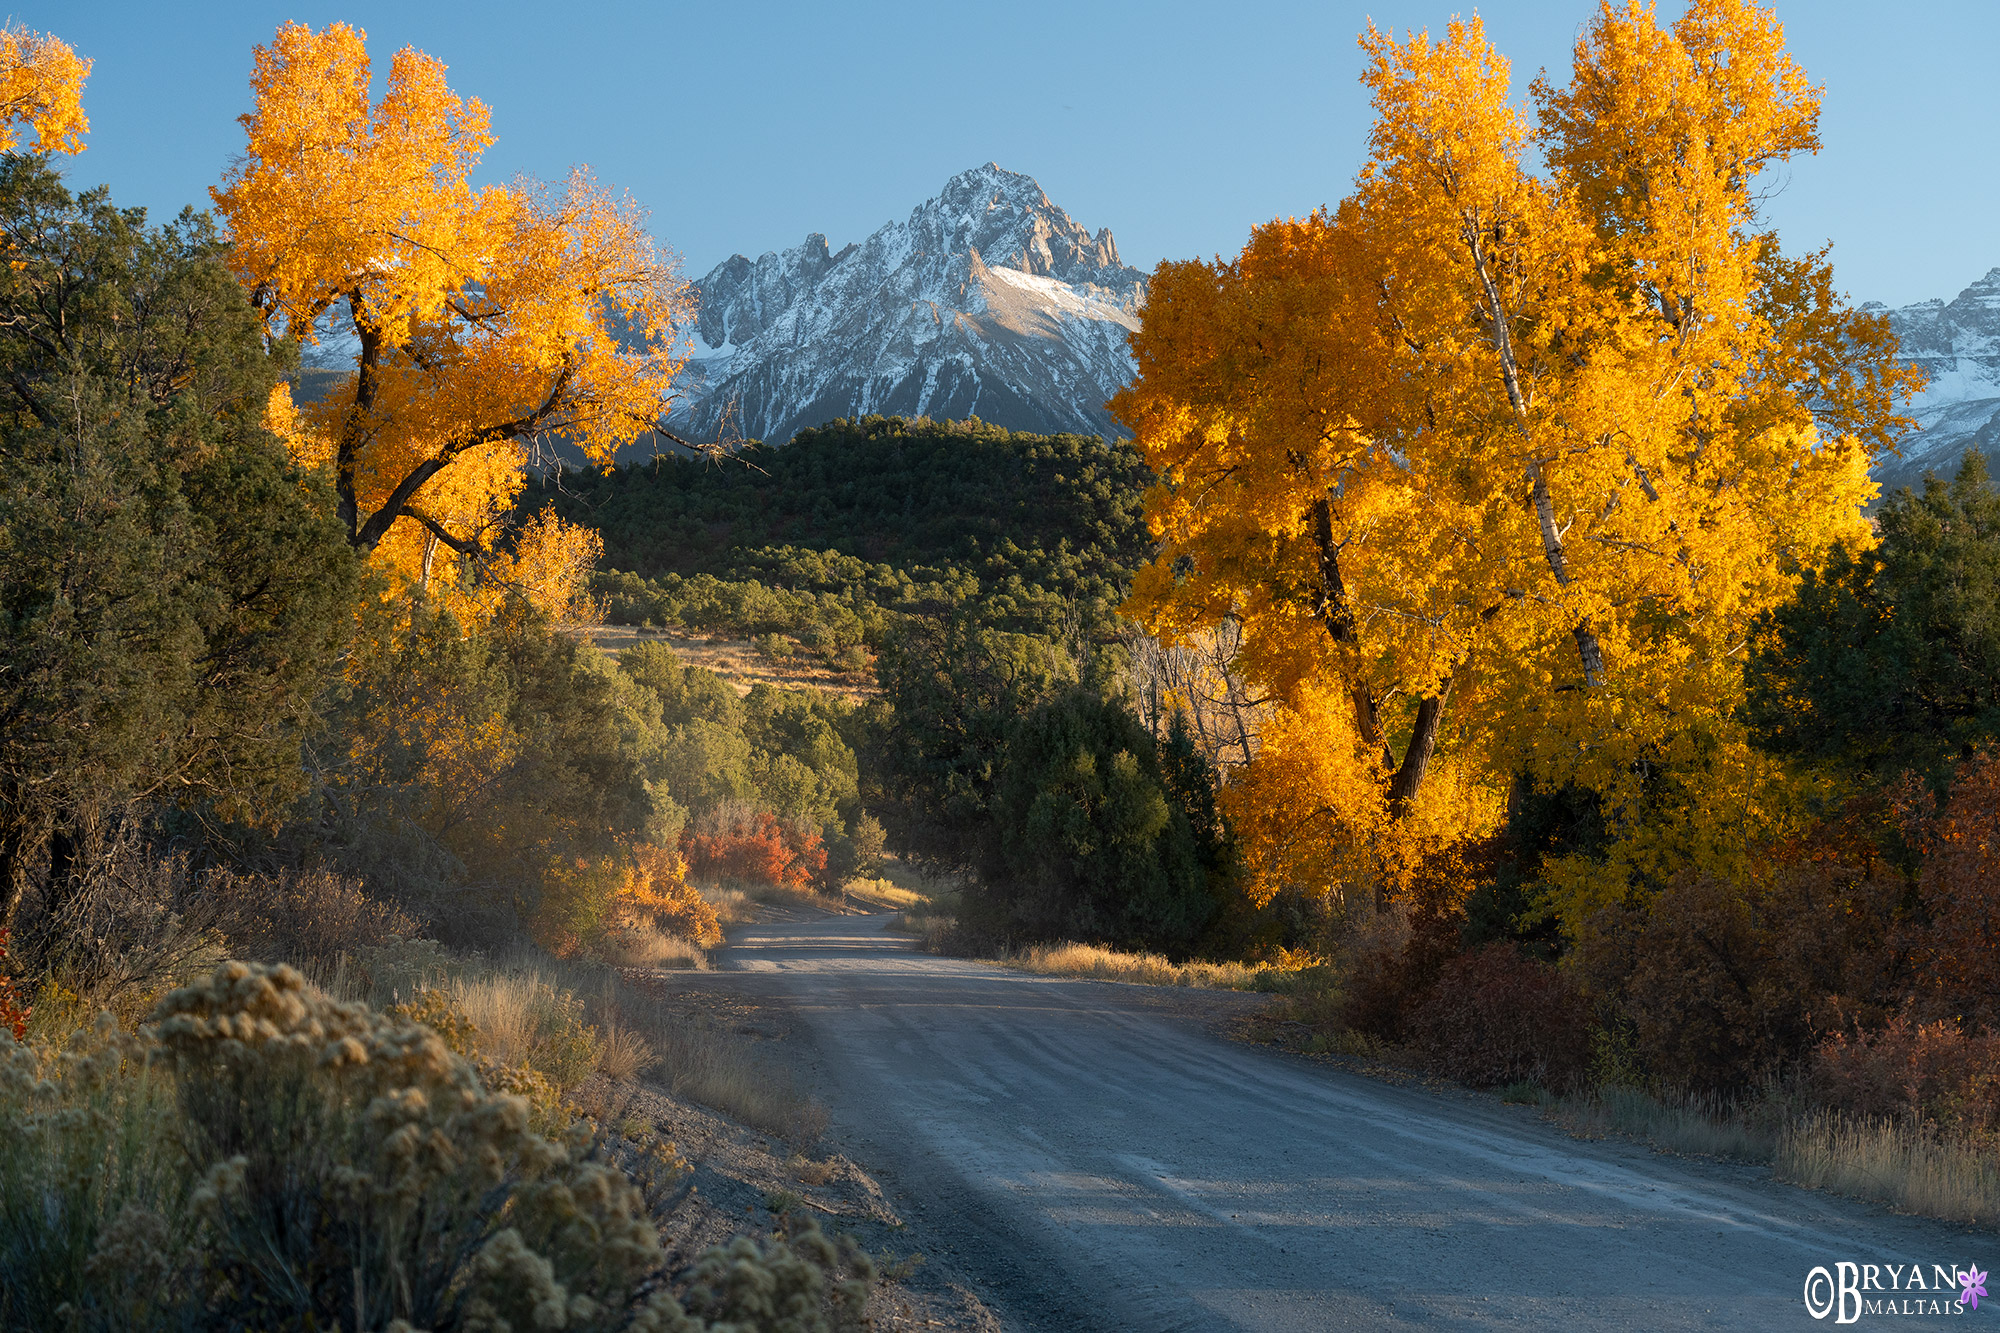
{"x": 487, "y": 322}
{"x": 1496, "y": 467}
{"x": 41, "y": 89}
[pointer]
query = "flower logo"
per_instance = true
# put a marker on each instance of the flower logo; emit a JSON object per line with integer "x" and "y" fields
{"x": 1974, "y": 1283}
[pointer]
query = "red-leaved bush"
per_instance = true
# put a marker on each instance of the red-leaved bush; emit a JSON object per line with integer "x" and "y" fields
{"x": 755, "y": 848}
{"x": 1497, "y": 1016}
{"x": 1936, "y": 1072}
{"x": 1957, "y": 950}
{"x": 13, "y": 1014}
{"x": 1390, "y": 980}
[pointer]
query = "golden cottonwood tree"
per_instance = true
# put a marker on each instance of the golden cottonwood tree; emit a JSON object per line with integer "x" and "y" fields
{"x": 482, "y": 320}
{"x": 1496, "y": 468}
{"x": 41, "y": 89}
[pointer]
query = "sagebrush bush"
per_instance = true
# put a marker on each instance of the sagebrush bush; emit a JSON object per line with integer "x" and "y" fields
{"x": 358, "y": 1172}
{"x": 1495, "y": 1016}
{"x": 264, "y": 1157}
{"x": 790, "y": 1283}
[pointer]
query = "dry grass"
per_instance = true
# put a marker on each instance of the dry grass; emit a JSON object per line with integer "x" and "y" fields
{"x": 643, "y": 946}
{"x": 1898, "y": 1164}
{"x": 736, "y": 661}
{"x": 1151, "y": 969}
{"x": 733, "y": 906}
{"x": 1691, "y": 1125}
{"x": 737, "y": 903}
{"x": 700, "y": 1061}
{"x": 624, "y": 1054}
{"x": 883, "y": 894}
{"x": 1146, "y": 969}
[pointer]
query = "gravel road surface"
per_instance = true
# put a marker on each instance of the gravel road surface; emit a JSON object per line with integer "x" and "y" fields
{"x": 1093, "y": 1159}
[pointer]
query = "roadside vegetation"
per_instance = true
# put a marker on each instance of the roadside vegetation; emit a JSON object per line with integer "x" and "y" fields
{"x": 335, "y": 876}
{"x": 1629, "y": 772}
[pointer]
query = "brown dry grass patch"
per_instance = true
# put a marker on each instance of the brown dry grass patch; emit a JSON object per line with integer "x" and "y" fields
{"x": 736, "y": 661}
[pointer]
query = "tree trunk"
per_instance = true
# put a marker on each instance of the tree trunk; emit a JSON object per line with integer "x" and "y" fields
{"x": 1417, "y": 758}
{"x": 1587, "y": 646}
{"x": 1339, "y": 621}
{"x": 1338, "y": 618}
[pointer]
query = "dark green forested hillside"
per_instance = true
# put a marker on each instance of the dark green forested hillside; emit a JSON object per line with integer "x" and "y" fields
{"x": 849, "y": 523}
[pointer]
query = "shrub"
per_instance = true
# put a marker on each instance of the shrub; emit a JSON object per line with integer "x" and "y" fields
{"x": 312, "y": 1164}
{"x": 1406, "y": 947}
{"x": 791, "y": 1282}
{"x": 13, "y": 1014}
{"x": 656, "y": 893}
{"x": 125, "y": 927}
{"x": 1934, "y": 1073}
{"x": 302, "y": 914}
{"x": 1727, "y": 982}
{"x": 1496, "y": 1016}
{"x": 1957, "y": 949}
{"x": 755, "y": 848}
{"x": 576, "y": 903}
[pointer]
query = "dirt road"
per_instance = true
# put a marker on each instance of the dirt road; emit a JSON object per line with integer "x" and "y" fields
{"x": 1092, "y": 1160}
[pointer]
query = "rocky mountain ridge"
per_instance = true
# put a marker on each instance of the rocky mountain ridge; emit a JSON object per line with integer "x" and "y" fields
{"x": 987, "y": 301}
{"x": 1958, "y": 343}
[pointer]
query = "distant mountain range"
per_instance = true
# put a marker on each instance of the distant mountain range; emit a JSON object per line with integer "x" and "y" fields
{"x": 988, "y": 301}
{"x": 991, "y": 301}
{"x": 1958, "y": 342}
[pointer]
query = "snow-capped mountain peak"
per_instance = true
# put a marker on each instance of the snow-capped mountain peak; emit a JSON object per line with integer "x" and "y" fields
{"x": 987, "y": 301}
{"x": 1958, "y": 343}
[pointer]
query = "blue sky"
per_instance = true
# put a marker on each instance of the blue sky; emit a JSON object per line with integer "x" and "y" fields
{"x": 742, "y": 126}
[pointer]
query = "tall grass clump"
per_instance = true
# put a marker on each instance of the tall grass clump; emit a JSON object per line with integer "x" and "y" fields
{"x": 1146, "y": 969}
{"x": 1693, "y": 1123}
{"x": 1900, "y": 1163}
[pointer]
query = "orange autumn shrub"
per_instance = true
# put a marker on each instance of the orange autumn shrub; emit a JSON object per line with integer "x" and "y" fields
{"x": 755, "y": 848}
{"x": 656, "y": 893}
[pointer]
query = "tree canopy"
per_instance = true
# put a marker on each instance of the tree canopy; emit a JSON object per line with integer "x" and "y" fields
{"x": 1496, "y": 468}
{"x": 482, "y": 321}
{"x": 41, "y": 89}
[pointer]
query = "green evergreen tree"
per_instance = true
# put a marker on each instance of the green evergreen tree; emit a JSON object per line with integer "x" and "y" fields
{"x": 1890, "y": 661}
{"x": 1090, "y": 841}
{"x": 173, "y": 591}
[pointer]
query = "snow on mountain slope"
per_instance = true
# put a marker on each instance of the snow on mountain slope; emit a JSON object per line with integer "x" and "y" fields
{"x": 988, "y": 301}
{"x": 1958, "y": 342}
